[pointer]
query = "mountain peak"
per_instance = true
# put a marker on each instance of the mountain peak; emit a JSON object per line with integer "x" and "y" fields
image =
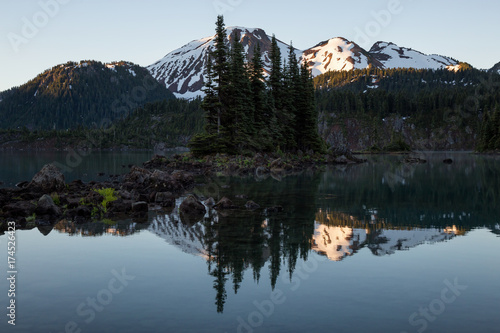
{"x": 182, "y": 70}
{"x": 391, "y": 55}
{"x": 335, "y": 54}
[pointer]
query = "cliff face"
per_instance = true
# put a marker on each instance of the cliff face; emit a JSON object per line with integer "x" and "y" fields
{"x": 359, "y": 134}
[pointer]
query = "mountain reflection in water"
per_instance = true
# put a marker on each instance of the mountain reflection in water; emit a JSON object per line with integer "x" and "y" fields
{"x": 382, "y": 207}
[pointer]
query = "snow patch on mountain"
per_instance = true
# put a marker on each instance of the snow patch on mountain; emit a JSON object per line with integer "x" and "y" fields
{"x": 337, "y": 242}
{"x": 182, "y": 70}
{"x": 391, "y": 55}
{"x": 336, "y": 54}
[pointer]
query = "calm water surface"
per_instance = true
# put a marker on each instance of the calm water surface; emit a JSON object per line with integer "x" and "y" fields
{"x": 380, "y": 247}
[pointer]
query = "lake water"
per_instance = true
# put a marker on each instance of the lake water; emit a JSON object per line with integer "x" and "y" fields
{"x": 379, "y": 247}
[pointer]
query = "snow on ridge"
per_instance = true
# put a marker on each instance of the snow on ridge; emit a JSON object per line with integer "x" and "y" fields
{"x": 334, "y": 54}
{"x": 338, "y": 242}
{"x": 394, "y": 56}
{"x": 182, "y": 70}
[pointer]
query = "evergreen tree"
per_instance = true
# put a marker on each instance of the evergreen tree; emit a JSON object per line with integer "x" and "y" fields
{"x": 275, "y": 81}
{"x": 215, "y": 103}
{"x": 221, "y": 68}
{"x": 306, "y": 126}
{"x": 239, "y": 118}
{"x": 258, "y": 88}
{"x": 211, "y": 103}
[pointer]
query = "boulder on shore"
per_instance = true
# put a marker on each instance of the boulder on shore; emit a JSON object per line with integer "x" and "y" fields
{"x": 49, "y": 179}
{"x": 191, "y": 205}
{"x": 225, "y": 203}
{"x": 46, "y": 206}
{"x": 251, "y": 205}
{"x": 191, "y": 210}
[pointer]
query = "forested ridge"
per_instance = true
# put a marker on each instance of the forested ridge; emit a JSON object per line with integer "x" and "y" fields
{"x": 244, "y": 111}
{"x": 427, "y": 101}
{"x": 89, "y": 94}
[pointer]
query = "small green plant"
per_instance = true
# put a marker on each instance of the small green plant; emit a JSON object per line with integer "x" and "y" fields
{"x": 109, "y": 195}
{"x": 31, "y": 218}
{"x": 95, "y": 212}
{"x": 108, "y": 221}
{"x": 56, "y": 199}
{"x": 279, "y": 152}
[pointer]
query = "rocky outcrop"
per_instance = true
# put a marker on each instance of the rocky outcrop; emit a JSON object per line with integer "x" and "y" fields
{"x": 49, "y": 179}
{"x": 47, "y": 207}
{"x": 191, "y": 210}
{"x": 225, "y": 203}
{"x": 47, "y": 198}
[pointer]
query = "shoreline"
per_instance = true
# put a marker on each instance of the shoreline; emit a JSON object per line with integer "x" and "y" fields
{"x": 47, "y": 198}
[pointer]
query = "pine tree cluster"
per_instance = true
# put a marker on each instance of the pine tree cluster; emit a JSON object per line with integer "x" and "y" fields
{"x": 247, "y": 113}
{"x": 490, "y": 132}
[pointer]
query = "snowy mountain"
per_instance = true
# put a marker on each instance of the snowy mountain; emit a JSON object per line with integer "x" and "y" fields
{"x": 339, "y": 242}
{"x": 392, "y": 56}
{"x": 188, "y": 238}
{"x": 337, "y": 54}
{"x": 182, "y": 70}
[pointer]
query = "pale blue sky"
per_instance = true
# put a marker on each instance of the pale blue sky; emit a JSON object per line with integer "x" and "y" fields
{"x": 144, "y": 31}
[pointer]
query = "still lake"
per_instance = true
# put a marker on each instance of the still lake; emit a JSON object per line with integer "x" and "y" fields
{"x": 378, "y": 247}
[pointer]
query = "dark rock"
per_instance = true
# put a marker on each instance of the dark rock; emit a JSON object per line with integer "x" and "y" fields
{"x": 277, "y": 163}
{"x": 22, "y": 184}
{"x": 138, "y": 175}
{"x": 20, "y": 208}
{"x": 261, "y": 171}
{"x": 160, "y": 176}
{"x": 448, "y": 161}
{"x": 210, "y": 202}
{"x": 72, "y": 203}
{"x": 125, "y": 194}
{"x": 44, "y": 227}
{"x": 274, "y": 209}
{"x": 143, "y": 197}
{"x": 414, "y": 160}
{"x": 225, "y": 203}
{"x": 46, "y": 206}
{"x": 241, "y": 196}
{"x": 49, "y": 179}
{"x": 165, "y": 199}
{"x": 94, "y": 198}
{"x": 140, "y": 207}
{"x": 76, "y": 183}
{"x": 81, "y": 220}
{"x": 83, "y": 211}
{"x": 191, "y": 205}
{"x": 120, "y": 206}
{"x": 251, "y": 205}
{"x": 259, "y": 159}
{"x": 100, "y": 174}
{"x": 185, "y": 178}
